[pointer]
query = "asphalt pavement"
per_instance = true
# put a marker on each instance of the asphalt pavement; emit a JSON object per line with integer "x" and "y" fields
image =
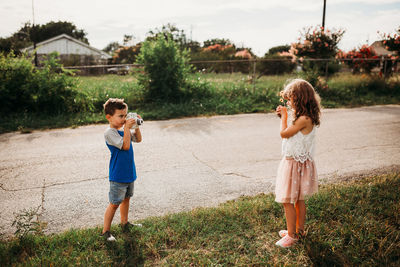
{"x": 181, "y": 163}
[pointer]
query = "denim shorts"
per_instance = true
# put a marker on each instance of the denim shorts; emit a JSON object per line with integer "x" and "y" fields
{"x": 120, "y": 191}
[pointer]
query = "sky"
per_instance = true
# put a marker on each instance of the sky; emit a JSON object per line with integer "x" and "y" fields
{"x": 257, "y": 24}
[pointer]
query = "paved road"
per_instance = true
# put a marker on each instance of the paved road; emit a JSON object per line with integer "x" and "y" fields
{"x": 181, "y": 164}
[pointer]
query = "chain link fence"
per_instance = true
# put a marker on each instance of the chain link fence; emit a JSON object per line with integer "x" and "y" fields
{"x": 256, "y": 68}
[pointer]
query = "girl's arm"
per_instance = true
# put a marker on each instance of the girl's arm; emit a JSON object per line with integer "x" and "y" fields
{"x": 286, "y": 131}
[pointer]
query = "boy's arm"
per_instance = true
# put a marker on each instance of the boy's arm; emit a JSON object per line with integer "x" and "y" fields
{"x": 127, "y": 134}
{"x": 127, "y": 139}
{"x": 137, "y": 135}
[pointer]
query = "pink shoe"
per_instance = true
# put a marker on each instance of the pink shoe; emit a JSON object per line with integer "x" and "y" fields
{"x": 286, "y": 241}
{"x": 282, "y": 233}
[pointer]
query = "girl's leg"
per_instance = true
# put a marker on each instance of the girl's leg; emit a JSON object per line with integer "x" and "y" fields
{"x": 124, "y": 209}
{"x": 300, "y": 216}
{"x": 108, "y": 217}
{"x": 290, "y": 213}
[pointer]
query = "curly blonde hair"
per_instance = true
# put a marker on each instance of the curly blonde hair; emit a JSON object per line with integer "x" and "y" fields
{"x": 305, "y": 101}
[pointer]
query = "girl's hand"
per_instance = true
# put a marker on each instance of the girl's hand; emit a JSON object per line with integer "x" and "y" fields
{"x": 281, "y": 111}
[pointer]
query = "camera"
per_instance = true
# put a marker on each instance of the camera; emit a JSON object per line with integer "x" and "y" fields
{"x": 132, "y": 115}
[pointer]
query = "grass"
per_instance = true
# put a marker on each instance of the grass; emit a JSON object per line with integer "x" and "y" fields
{"x": 355, "y": 223}
{"x": 214, "y": 94}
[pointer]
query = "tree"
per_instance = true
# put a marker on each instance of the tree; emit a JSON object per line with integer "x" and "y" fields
{"x": 28, "y": 34}
{"x": 126, "y": 54}
{"x": 193, "y": 46}
{"x": 51, "y": 29}
{"x": 17, "y": 40}
{"x": 278, "y": 49}
{"x": 215, "y": 41}
{"x": 111, "y": 47}
{"x": 169, "y": 31}
{"x": 316, "y": 43}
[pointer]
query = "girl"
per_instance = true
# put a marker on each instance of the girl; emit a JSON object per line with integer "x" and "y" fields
{"x": 297, "y": 175}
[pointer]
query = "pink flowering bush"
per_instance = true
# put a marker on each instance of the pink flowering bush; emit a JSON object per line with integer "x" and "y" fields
{"x": 360, "y": 60}
{"x": 392, "y": 43}
{"x": 315, "y": 43}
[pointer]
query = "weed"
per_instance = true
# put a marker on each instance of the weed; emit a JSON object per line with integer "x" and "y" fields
{"x": 27, "y": 222}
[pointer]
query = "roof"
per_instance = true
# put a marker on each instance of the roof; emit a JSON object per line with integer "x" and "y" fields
{"x": 66, "y": 36}
{"x": 380, "y": 49}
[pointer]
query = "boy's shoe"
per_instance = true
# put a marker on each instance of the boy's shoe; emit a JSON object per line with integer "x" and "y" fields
{"x": 129, "y": 225}
{"x": 108, "y": 236}
{"x": 283, "y": 233}
{"x": 286, "y": 241}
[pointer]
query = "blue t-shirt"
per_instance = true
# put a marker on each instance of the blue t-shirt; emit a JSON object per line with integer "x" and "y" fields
{"x": 122, "y": 167}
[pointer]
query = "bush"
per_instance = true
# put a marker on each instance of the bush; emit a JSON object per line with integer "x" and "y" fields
{"x": 49, "y": 90}
{"x": 166, "y": 69}
{"x": 316, "y": 43}
{"x": 359, "y": 59}
{"x": 351, "y": 90}
{"x": 275, "y": 65}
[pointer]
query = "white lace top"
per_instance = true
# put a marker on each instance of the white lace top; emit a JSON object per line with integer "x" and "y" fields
{"x": 300, "y": 147}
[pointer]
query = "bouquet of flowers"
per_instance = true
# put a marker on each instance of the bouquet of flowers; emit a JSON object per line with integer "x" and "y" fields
{"x": 283, "y": 99}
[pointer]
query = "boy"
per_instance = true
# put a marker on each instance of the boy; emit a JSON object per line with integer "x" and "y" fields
{"x": 122, "y": 170}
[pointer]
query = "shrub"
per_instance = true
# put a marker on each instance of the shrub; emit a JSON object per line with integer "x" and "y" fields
{"x": 49, "y": 90}
{"x": 166, "y": 69}
{"x": 275, "y": 64}
{"x": 317, "y": 43}
{"x": 391, "y": 43}
{"x": 359, "y": 60}
{"x": 214, "y": 53}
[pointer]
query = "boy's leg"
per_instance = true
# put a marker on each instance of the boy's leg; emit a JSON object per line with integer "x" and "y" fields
{"x": 108, "y": 217}
{"x": 124, "y": 210}
{"x": 300, "y": 216}
{"x": 290, "y": 213}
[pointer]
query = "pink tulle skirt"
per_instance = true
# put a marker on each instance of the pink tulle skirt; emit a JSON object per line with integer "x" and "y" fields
{"x": 295, "y": 180}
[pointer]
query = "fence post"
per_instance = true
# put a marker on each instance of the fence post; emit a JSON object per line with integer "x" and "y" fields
{"x": 326, "y": 70}
{"x": 254, "y": 74}
{"x": 384, "y": 68}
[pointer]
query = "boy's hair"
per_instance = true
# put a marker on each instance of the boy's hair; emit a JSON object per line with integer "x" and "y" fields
{"x": 305, "y": 101}
{"x": 112, "y": 104}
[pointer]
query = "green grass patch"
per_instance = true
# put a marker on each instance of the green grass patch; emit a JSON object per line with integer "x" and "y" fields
{"x": 354, "y": 223}
{"x": 208, "y": 94}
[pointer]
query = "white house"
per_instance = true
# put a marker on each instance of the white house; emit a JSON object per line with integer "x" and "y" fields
{"x": 72, "y": 51}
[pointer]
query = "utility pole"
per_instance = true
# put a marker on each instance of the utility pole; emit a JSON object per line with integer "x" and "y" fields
{"x": 323, "y": 16}
{"x": 34, "y": 33}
